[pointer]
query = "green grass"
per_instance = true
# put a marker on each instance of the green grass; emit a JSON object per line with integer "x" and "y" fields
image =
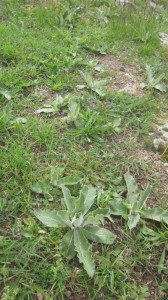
{"x": 43, "y": 48}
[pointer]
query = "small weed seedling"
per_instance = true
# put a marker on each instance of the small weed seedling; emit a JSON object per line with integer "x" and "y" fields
{"x": 136, "y": 292}
{"x": 56, "y": 180}
{"x": 73, "y": 113}
{"x": 91, "y": 123}
{"x": 6, "y": 118}
{"x": 5, "y": 94}
{"x": 135, "y": 205}
{"x": 96, "y": 86}
{"x": 58, "y": 103}
{"x": 153, "y": 82}
{"x": 83, "y": 223}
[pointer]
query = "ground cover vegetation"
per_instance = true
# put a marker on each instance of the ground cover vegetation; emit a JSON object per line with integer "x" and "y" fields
{"x": 83, "y": 197}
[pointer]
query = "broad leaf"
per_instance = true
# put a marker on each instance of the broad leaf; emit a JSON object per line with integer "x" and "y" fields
{"x": 86, "y": 198}
{"x": 118, "y": 208}
{"x": 87, "y": 78}
{"x": 7, "y": 110}
{"x": 37, "y": 188}
{"x": 60, "y": 102}
{"x": 98, "y": 91}
{"x": 99, "y": 211}
{"x": 157, "y": 214}
{"x": 152, "y": 235}
{"x": 144, "y": 196}
{"x": 56, "y": 174}
{"x": 79, "y": 221}
{"x": 94, "y": 85}
{"x": 161, "y": 87}
{"x": 143, "y": 85}
{"x": 81, "y": 86}
{"x": 97, "y": 220}
{"x": 69, "y": 180}
{"x": 41, "y": 187}
{"x": 68, "y": 199}
{"x": 74, "y": 109}
{"x": 133, "y": 194}
{"x": 47, "y": 109}
{"x": 64, "y": 218}
{"x": 18, "y": 120}
{"x": 53, "y": 218}
{"x": 150, "y": 75}
{"x": 117, "y": 122}
{"x": 133, "y": 220}
{"x": 5, "y": 94}
{"x": 82, "y": 248}
{"x": 67, "y": 245}
{"x": 99, "y": 235}
{"x": 96, "y": 216}
{"x": 158, "y": 79}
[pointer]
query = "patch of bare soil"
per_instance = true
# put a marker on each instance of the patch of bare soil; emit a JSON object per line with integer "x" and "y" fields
{"x": 124, "y": 78}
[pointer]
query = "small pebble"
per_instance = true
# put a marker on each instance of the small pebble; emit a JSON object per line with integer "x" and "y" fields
{"x": 160, "y": 138}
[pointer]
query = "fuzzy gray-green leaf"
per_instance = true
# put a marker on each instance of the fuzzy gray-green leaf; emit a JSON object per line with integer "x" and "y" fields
{"x": 118, "y": 208}
{"x": 99, "y": 235}
{"x": 56, "y": 219}
{"x": 74, "y": 109}
{"x": 97, "y": 220}
{"x": 157, "y": 214}
{"x": 41, "y": 187}
{"x": 69, "y": 180}
{"x": 133, "y": 220}
{"x": 79, "y": 221}
{"x": 132, "y": 194}
{"x": 67, "y": 245}
{"x": 96, "y": 216}
{"x": 5, "y": 94}
{"x": 150, "y": 75}
{"x": 144, "y": 196}
{"x": 67, "y": 199}
{"x": 87, "y": 198}
{"x": 161, "y": 87}
{"x": 56, "y": 175}
{"x": 82, "y": 248}
{"x": 47, "y": 109}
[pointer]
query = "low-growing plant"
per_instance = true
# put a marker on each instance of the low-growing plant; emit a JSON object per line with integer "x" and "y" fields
{"x": 83, "y": 224}
{"x": 134, "y": 207}
{"x": 57, "y": 179}
{"x": 69, "y": 15}
{"x": 5, "y": 94}
{"x": 74, "y": 109}
{"x": 59, "y": 103}
{"x": 136, "y": 292}
{"x": 96, "y": 86}
{"x": 95, "y": 65}
{"x": 5, "y": 109}
{"x": 91, "y": 123}
{"x": 5, "y": 113}
{"x": 152, "y": 81}
{"x": 6, "y": 118}
{"x": 55, "y": 105}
